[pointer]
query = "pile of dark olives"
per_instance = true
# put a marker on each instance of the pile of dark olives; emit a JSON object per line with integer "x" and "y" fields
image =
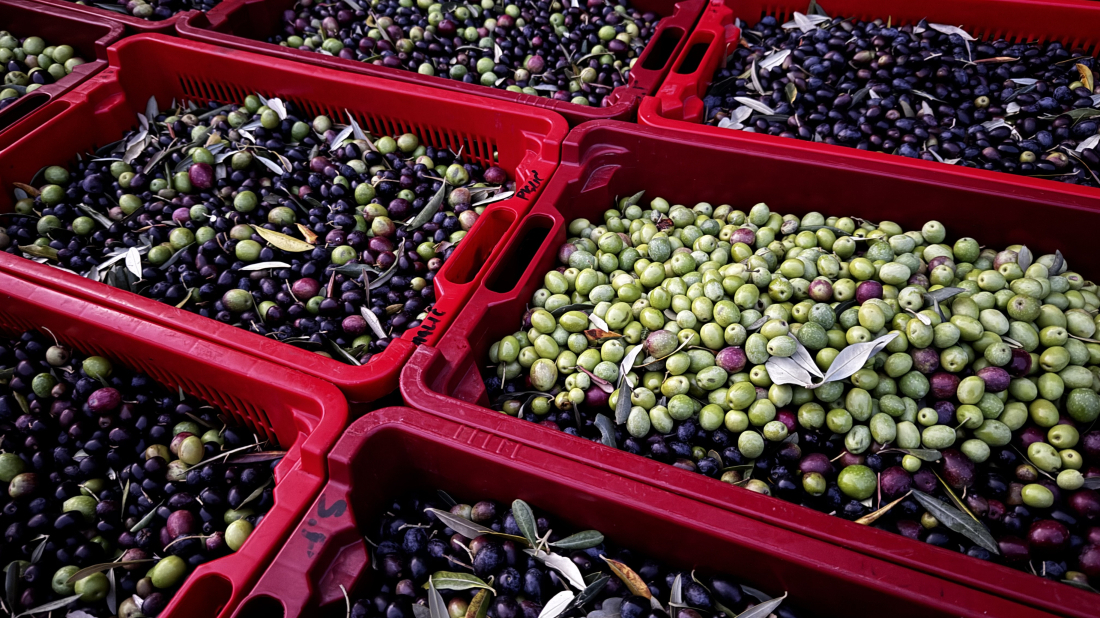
{"x": 924, "y": 91}
{"x": 310, "y": 233}
{"x": 27, "y": 65}
{"x": 897, "y": 378}
{"x": 99, "y": 464}
{"x": 569, "y": 51}
{"x": 152, "y": 10}
{"x": 487, "y": 559}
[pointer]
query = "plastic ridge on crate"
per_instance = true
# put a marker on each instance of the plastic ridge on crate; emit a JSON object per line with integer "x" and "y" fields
{"x": 88, "y": 36}
{"x": 397, "y": 450}
{"x": 604, "y": 160}
{"x": 303, "y": 415}
{"x": 678, "y": 104}
{"x": 248, "y": 26}
{"x": 527, "y": 143}
{"x": 137, "y": 25}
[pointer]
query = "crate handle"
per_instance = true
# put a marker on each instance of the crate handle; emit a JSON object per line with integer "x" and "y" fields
{"x": 664, "y": 46}
{"x": 681, "y": 95}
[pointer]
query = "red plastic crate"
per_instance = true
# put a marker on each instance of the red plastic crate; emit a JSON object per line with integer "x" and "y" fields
{"x": 137, "y": 25}
{"x": 603, "y": 160}
{"x": 526, "y": 141}
{"x": 678, "y": 104}
{"x": 397, "y": 450}
{"x": 248, "y": 26}
{"x": 89, "y": 36}
{"x": 303, "y": 415}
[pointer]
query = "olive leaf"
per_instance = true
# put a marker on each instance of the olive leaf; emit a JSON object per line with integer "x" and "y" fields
{"x": 957, "y": 521}
{"x": 633, "y": 199}
{"x": 425, "y": 215}
{"x": 599, "y": 335}
{"x": 774, "y": 59}
{"x": 258, "y": 457}
{"x": 924, "y": 454}
{"x": 41, "y": 549}
{"x": 479, "y": 606}
{"x": 754, "y": 105}
{"x": 264, "y": 266}
{"x": 764, "y": 609}
{"x": 791, "y": 91}
{"x": 99, "y": 568}
{"x": 175, "y": 257}
{"x": 1081, "y": 585}
{"x": 259, "y": 491}
{"x": 952, "y": 30}
{"x": 282, "y": 241}
{"x": 955, "y": 499}
{"x": 633, "y": 581}
{"x": 870, "y": 518}
{"x": 598, "y": 322}
{"x": 582, "y": 540}
{"x": 460, "y": 525}
{"x": 112, "y": 592}
{"x": 1087, "y": 79}
{"x": 591, "y": 591}
{"x": 566, "y": 567}
{"x": 11, "y": 582}
{"x": 51, "y": 606}
{"x": 48, "y": 253}
{"x": 1092, "y": 482}
{"x": 446, "y": 498}
{"x": 373, "y": 322}
{"x": 560, "y": 311}
{"x": 608, "y": 609}
{"x": 676, "y": 596}
{"x": 451, "y": 580}
{"x": 525, "y": 521}
{"x": 151, "y": 109}
{"x": 339, "y": 353}
{"x": 144, "y": 521}
{"x": 850, "y": 360}
{"x": 386, "y": 276}
{"x": 1059, "y": 264}
{"x": 500, "y": 197}
{"x": 607, "y": 431}
{"x": 557, "y": 604}
{"x": 622, "y": 406}
{"x": 436, "y": 605}
{"x": 354, "y": 269}
{"x": 99, "y": 217}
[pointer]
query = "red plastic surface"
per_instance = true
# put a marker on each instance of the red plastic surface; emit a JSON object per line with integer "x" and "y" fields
{"x": 136, "y": 25}
{"x": 89, "y": 36}
{"x": 603, "y": 160}
{"x": 678, "y": 104}
{"x": 302, "y": 415}
{"x": 397, "y": 450}
{"x": 526, "y": 143}
{"x": 249, "y": 26}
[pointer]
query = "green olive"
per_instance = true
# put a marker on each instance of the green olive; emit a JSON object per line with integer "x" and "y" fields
{"x": 857, "y": 482}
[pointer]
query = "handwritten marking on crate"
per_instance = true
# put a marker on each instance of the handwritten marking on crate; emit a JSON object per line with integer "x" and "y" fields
{"x": 530, "y": 187}
{"x": 428, "y": 326}
{"x": 324, "y": 511}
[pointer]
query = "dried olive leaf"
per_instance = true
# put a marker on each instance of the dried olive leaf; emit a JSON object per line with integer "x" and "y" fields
{"x": 791, "y": 91}
{"x": 99, "y": 568}
{"x": 716, "y": 456}
{"x": 557, "y": 604}
{"x": 436, "y": 605}
{"x": 148, "y": 518}
{"x": 633, "y": 581}
{"x": 622, "y": 406}
{"x": 479, "y": 606}
{"x": 99, "y": 217}
{"x": 307, "y": 233}
{"x": 562, "y": 565}
{"x": 954, "y": 499}
{"x": 282, "y": 241}
{"x": 48, "y": 253}
{"x": 763, "y": 610}
{"x": 603, "y": 384}
{"x": 1087, "y": 79}
{"x": 957, "y": 521}
{"x": 870, "y": 518}
{"x": 264, "y": 266}
{"x": 852, "y": 358}
{"x": 51, "y": 606}
{"x": 460, "y": 525}
{"x": 1024, "y": 258}
{"x": 599, "y": 335}
{"x": 451, "y": 580}
{"x": 581, "y": 540}
{"x": 607, "y": 435}
{"x": 560, "y": 311}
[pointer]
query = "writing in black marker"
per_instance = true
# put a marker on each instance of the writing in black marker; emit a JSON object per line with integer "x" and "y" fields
{"x": 530, "y": 187}
{"x": 428, "y": 326}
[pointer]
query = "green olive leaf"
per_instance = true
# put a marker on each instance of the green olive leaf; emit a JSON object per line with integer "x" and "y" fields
{"x": 99, "y": 217}
{"x": 479, "y": 607}
{"x": 957, "y": 521}
{"x": 924, "y": 454}
{"x": 259, "y": 491}
{"x": 764, "y": 609}
{"x": 99, "y": 568}
{"x": 282, "y": 241}
{"x": 11, "y": 582}
{"x": 436, "y": 605}
{"x": 622, "y": 406}
{"x": 607, "y": 436}
{"x": 48, "y": 253}
{"x": 633, "y": 199}
{"x": 852, "y": 358}
{"x": 525, "y": 521}
{"x": 582, "y": 540}
{"x": 41, "y": 549}
{"x": 341, "y": 354}
{"x": 592, "y": 590}
{"x": 460, "y": 525}
{"x": 450, "y": 580}
{"x": 955, "y": 499}
{"x": 257, "y": 457}
{"x": 386, "y": 276}
{"x": 148, "y": 518}
{"x": 429, "y": 209}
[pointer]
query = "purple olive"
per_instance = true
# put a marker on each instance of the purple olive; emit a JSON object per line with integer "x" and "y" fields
{"x": 944, "y": 385}
{"x": 996, "y": 379}
{"x": 743, "y": 234}
{"x": 104, "y": 400}
{"x": 1047, "y": 537}
{"x": 201, "y": 175}
{"x": 866, "y": 290}
{"x": 957, "y": 469}
{"x": 732, "y": 358}
{"x": 925, "y": 360}
{"x": 816, "y": 462}
{"x": 1020, "y": 364}
{"x": 894, "y": 481}
{"x": 821, "y": 290}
